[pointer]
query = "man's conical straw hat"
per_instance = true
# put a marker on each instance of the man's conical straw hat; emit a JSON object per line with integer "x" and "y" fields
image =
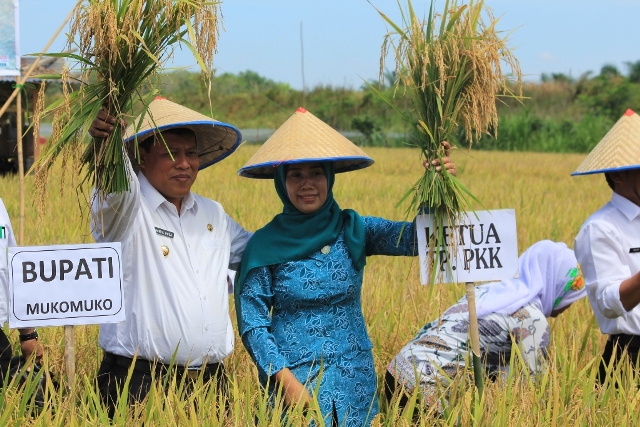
{"x": 305, "y": 138}
{"x": 215, "y": 140}
{"x": 619, "y": 150}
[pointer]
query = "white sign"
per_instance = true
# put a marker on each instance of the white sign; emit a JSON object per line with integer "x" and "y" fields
{"x": 65, "y": 285}
{"x": 9, "y": 38}
{"x": 485, "y": 243}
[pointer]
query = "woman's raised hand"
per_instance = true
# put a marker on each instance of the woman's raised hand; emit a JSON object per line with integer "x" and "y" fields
{"x": 446, "y": 160}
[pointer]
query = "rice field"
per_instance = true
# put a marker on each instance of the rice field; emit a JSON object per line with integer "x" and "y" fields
{"x": 549, "y": 204}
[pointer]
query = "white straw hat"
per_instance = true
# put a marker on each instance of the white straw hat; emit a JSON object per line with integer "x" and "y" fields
{"x": 215, "y": 140}
{"x": 619, "y": 150}
{"x": 305, "y": 138}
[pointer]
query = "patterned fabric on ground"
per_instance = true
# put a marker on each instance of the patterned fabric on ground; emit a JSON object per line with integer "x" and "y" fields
{"x": 439, "y": 350}
{"x": 306, "y": 315}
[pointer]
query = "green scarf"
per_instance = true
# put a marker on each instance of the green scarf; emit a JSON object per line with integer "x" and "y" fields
{"x": 293, "y": 235}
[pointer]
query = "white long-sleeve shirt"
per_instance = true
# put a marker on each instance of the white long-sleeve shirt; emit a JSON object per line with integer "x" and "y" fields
{"x": 7, "y": 239}
{"x": 608, "y": 250}
{"x": 179, "y": 300}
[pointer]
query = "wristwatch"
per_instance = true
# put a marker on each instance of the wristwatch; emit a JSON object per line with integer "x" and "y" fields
{"x": 31, "y": 336}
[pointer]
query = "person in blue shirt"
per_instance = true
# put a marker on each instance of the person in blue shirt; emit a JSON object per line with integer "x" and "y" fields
{"x": 298, "y": 288}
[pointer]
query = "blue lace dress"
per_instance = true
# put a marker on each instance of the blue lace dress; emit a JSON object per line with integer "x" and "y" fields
{"x": 306, "y": 316}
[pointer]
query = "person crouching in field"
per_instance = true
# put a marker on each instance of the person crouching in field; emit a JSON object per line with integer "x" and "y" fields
{"x": 510, "y": 312}
{"x": 176, "y": 248}
{"x": 299, "y": 284}
{"x": 608, "y": 244}
{"x": 28, "y": 336}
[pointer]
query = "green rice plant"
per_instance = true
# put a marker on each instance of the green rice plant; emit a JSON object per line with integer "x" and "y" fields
{"x": 450, "y": 67}
{"x": 122, "y": 45}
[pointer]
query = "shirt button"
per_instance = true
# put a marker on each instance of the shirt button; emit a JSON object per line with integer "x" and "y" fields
{"x": 197, "y": 271}
{"x": 206, "y": 328}
{"x": 204, "y": 298}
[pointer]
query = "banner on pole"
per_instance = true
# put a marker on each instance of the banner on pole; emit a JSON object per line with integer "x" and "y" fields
{"x": 9, "y": 38}
{"x": 486, "y": 247}
{"x": 65, "y": 285}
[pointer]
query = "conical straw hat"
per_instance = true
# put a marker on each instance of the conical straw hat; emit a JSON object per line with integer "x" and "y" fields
{"x": 215, "y": 140}
{"x": 305, "y": 138}
{"x": 619, "y": 149}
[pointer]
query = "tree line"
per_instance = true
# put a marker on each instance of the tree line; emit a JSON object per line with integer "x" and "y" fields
{"x": 560, "y": 113}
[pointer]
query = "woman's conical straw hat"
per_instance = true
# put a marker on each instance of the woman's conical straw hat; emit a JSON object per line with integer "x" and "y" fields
{"x": 305, "y": 138}
{"x": 215, "y": 140}
{"x": 619, "y": 149}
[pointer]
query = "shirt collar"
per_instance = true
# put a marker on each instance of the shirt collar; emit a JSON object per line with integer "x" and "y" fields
{"x": 626, "y": 206}
{"x": 155, "y": 199}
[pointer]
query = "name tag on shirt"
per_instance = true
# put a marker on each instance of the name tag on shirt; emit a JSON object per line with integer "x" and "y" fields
{"x": 634, "y": 250}
{"x": 169, "y": 234}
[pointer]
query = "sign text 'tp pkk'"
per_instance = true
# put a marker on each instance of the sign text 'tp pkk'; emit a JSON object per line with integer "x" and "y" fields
{"x": 486, "y": 247}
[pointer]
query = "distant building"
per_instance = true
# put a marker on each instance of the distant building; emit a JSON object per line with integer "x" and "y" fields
{"x": 8, "y": 121}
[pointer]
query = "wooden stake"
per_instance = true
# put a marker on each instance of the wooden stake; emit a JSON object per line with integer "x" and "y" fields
{"x": 304, "y": 86}
{"x": 474, "y": 334}
{"x": 20, "y": 80}
{"x": 20, "y": 162}
{"x": 70, "y": 357}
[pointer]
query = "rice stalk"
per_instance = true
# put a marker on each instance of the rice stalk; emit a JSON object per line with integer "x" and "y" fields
{"x": 450, "y": 67}
{"x": 122, "y": 46}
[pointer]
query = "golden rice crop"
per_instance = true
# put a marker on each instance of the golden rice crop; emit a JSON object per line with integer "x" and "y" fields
{"x": 122, "y": 45}
{"x": 549, "y": 204}
{"x": 450, "y": 67}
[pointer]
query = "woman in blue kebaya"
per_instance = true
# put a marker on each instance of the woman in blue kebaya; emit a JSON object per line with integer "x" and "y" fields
{"x": 298, "y": 288}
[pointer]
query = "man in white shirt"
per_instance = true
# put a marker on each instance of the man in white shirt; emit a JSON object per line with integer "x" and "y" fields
{"x": 28, "y": 336}
{"x": 608, "y": 244}
{"x": 176, "y": 249}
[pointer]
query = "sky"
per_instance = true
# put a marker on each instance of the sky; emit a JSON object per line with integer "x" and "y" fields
{"x": 342, "y": 38}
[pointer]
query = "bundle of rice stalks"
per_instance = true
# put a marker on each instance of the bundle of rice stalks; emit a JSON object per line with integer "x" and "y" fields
{"x": 122, "y": 45}
{"x": 450, "y": 66}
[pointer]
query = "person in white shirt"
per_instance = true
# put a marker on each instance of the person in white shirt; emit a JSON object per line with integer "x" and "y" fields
{"x": 608, "y": 244}
{"x": 28, "y": 336}
{"x": 176, "y": 249}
